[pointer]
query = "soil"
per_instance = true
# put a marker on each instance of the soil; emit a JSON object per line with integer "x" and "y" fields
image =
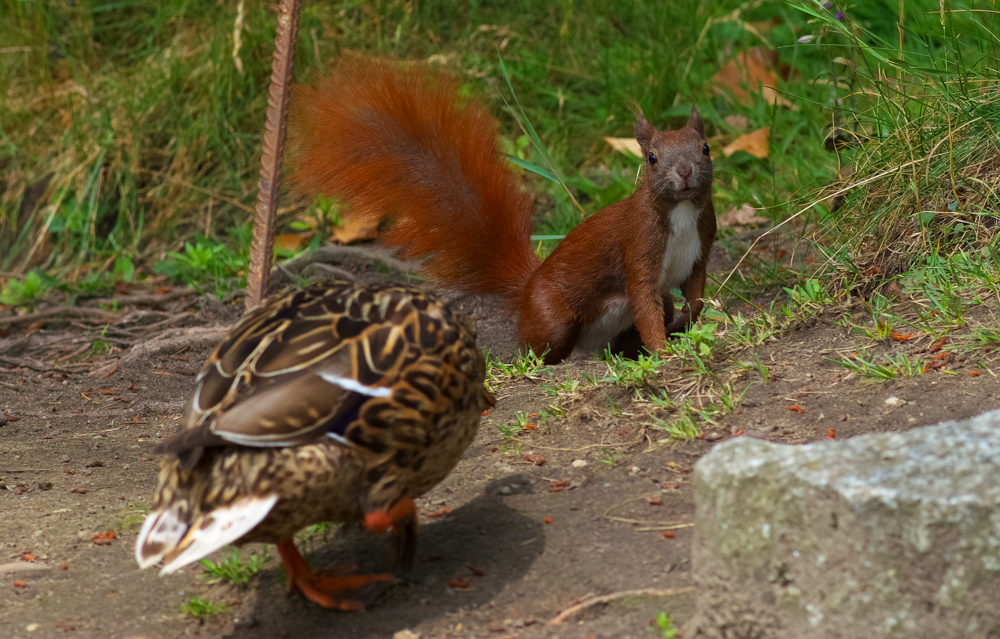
{"x": 575, "y": 509}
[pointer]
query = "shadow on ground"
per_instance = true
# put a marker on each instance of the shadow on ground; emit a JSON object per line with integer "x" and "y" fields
{"x": 485, "y": 542}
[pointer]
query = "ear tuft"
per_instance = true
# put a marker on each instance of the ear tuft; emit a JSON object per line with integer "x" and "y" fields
{"x": 694, "y": 122}
{"x": 643, "y": 129}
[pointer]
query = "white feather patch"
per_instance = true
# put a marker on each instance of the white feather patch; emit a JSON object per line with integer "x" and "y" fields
{"x": 353, "y": 385}
{"x": 160, "y": 533}
{"x": 219, "y": 528}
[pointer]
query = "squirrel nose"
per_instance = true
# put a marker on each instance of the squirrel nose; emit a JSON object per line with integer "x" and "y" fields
{"x": 684, "y": 171}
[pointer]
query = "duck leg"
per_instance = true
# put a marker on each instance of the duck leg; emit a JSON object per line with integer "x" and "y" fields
{"x": 326, "y": 591}
{"x": 380, "y": 521}
{"x": 402, "y": 518}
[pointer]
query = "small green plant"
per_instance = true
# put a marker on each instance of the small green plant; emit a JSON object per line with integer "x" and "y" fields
{"x": 524, "y": 365}
{"x": 202, "y": 609}
{"x": 509, "y": 434}
{"x": 757, "y": 364}
{"x": 131, "y": 521}
{"x": 232, "y": 570}
{"x": 570, "y": 387}
{"x": 641, "y": 371}
{"x": 321, "y": 218}
{"x": 891, "y": 366}
{"x": 683, "y": 427}
{"x": 809, "y": 294}
{"x": 27, "y": 293}
{"x": 317, "y": 530}
{"x": 207, "y": 260}
{"x": 667, "y": 629}
{"x": 695, "y": 347}
{"x": 609, "y": 457}
{"x": 100, "y": 346}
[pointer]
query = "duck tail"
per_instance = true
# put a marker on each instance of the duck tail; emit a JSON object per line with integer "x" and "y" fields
{"x": 171, "y": 535}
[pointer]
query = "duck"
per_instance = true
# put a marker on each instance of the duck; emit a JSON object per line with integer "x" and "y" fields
{"x": 334, "y": 403}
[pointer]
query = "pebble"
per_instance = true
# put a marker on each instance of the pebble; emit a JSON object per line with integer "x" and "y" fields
{"x": 579, "y": 463}
{"x": 505, "y": 490}
{"x": 894, "y": 401}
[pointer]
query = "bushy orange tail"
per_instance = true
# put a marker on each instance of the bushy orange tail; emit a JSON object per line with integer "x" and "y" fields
{"x": 396, "y": 140}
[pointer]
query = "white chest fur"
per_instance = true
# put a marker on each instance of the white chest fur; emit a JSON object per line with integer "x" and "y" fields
{"x": 683, "y": 246}
{"x": 683, "y": 250}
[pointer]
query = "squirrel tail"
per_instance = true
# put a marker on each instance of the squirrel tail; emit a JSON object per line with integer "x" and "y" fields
{"x": 401, "y": 146}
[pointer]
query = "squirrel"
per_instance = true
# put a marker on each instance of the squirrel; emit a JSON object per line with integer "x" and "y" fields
{"x": 403, "y": 146}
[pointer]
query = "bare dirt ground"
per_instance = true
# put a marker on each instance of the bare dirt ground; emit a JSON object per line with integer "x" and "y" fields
{"x": 530, "y": 538}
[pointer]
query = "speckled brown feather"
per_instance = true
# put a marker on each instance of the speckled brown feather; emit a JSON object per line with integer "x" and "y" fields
{"x": 263, "y": 421}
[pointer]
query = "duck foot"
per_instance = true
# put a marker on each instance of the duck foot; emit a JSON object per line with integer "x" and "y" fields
{"x": 380, "y": 520}
{"x": 329, "y": 592}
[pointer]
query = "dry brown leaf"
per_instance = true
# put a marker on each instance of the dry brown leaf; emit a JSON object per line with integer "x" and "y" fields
{"x": 744, "y": 215}
{"x": 292, "y": 241}
{"x": 354, "y": 229}
{"x": 751, "y": 69}
{"x": 625, "y": 145}
{"x": 755, "y": 143}
{"x": 738, "y": 122}
{"x": 764, "y": 26}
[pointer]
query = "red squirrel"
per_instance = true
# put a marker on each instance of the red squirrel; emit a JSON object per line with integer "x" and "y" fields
{"x": 400, "y": 144}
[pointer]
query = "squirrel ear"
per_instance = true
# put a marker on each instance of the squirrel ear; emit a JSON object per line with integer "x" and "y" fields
{"x": 643, "y": 130}
{"x": 694, "y": 122}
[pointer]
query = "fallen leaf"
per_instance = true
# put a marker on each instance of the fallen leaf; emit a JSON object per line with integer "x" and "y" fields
{"x": 27, "y": 556}
{"x": 745, "y": 215}
{"x": 478, "y": 571}
{"x": 900, "y": 337}
{"x": 103, "y": 539}
{"x": 64, "y": 567}
{"x": 738, "y": 122}
{"x": 355, "y": 229}
{"x": 754, "y": 70}
{"x": 655, "y": 502}
{"x": 795, "y": 408}
{"x": 439, "y": 513}
{"x": 79, "y": 490}
{"x": 628, "y": 146}
{"x": 831, "y": 433}
{"x": 291, "y": 242}
{"x": 530, "y": 426}
{"x": 938, "y": 345}
{"x": 669, "y": 534}
{"x": 755, "y": 143}
{"x": 547, "y": 520}
{"x": 973, "y": 373}
{"x": 537, "y": 460}
{"x": 20, "y": 584}
{"x": 558, "y": 486}
{"x": 458, "y": 582}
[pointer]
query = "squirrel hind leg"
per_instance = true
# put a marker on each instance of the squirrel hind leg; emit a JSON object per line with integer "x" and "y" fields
{"x": 547, "y": 323}
{"x": 629, "y": 344}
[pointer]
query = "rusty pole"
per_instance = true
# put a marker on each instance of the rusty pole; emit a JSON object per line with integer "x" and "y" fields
{"x": 275, "y": 130}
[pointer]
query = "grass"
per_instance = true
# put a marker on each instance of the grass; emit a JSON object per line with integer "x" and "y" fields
{"x": 666, "y": 628}
{"x": 163, "y": 175}
{"x": 131, "y": 520}
{"x": 129, "y": 137}
{"x": 204, "y": 610}
{"x": 232, "y": 570}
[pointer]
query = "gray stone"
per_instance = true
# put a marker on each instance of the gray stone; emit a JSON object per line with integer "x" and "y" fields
{"x": 891, "y": 535}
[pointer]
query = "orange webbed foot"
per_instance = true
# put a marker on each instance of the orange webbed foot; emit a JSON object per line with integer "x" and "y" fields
{"x": 381, "y": 520}
{"x": 328, "y": 592}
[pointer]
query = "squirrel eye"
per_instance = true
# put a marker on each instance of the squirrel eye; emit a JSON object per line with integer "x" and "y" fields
{"x": 652, "y": 158}
{"x": 704, "y": 149}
